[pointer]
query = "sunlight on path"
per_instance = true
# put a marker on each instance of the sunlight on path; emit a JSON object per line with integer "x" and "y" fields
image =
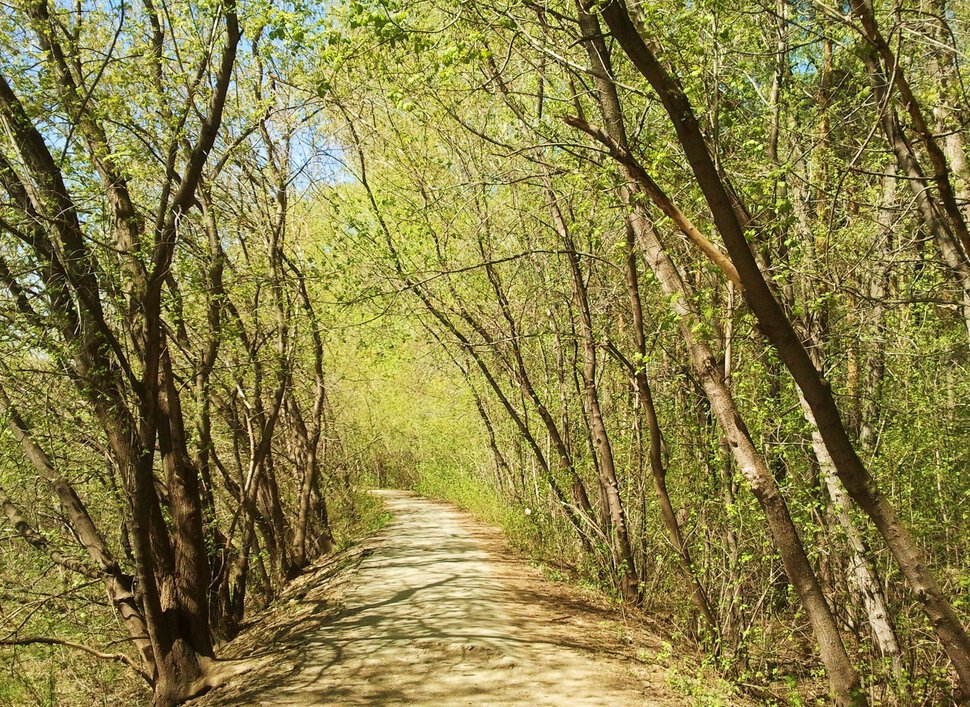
{"x": 427, "y": 621}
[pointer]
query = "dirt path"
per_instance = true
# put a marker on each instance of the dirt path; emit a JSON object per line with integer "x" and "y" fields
{"x": 438, "y": 611}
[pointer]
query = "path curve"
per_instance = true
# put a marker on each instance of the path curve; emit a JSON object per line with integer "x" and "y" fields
{"x": 436, "y": 614}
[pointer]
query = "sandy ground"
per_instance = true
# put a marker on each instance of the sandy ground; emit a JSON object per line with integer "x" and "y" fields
{"x": 436, "y": 610}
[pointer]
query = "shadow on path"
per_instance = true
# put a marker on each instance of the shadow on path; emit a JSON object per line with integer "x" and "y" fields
{"x": 430, "y": 615}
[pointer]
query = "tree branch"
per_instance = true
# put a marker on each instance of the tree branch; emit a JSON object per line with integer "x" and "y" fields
{"x": 46, "y": 640}
{"x": 638, "y": 174}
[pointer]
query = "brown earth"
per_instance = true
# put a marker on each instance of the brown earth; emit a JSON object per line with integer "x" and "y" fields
{"x": 435, "y": 609}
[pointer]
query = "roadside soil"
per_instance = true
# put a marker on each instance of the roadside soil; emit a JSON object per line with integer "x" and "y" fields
{"x": 436, "y": 609}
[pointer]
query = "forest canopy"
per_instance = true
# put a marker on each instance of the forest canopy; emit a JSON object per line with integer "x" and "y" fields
{"x": 676, "y": 293}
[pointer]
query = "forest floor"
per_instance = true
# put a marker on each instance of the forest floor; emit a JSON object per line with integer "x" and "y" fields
{"x": 437, "y": 609}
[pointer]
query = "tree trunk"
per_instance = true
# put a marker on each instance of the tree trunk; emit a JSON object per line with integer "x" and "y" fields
{"x": 117, "y": 584}
{"x": 727, "y": 215}
{"x": 602, "y": 71}
{"x": 844, "y": 680}
{"x": 603, "y": 450}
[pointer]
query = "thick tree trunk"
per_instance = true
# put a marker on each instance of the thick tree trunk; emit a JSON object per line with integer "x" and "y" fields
{"x": 192, "y": 575}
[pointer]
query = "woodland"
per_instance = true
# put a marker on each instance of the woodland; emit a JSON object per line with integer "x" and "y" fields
{"x": 676, "y": 293}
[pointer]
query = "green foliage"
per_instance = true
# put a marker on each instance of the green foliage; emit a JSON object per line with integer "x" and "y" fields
{"x": 421, "y": 147}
